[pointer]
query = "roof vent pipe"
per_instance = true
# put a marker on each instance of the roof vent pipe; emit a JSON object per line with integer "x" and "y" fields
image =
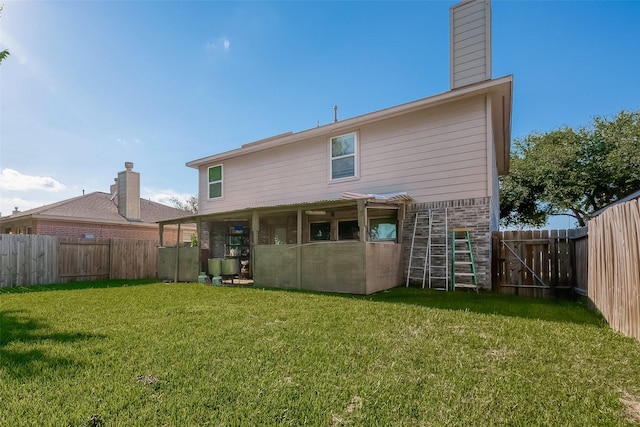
{"x": 335, "y": 113}
{"x": 113, "y": 189}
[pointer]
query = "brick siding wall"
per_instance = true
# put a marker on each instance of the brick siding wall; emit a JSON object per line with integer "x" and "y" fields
{"x": 473, "y": 214}
{"x": 108, "y": 231}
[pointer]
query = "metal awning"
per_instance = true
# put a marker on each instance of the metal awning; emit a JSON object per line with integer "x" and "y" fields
{"x": 347, "y": 199}
{"x": 400, "y": 197}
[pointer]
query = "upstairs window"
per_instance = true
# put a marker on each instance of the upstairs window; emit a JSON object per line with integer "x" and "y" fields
{"x": 215, "y": 182}
{"x": 343, "y": 156}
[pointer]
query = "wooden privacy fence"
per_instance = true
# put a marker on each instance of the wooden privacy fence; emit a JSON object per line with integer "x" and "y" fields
{"x": 539, "y": 263}
{"x": 614, "y": 266}
{"x": 37, "y": 260}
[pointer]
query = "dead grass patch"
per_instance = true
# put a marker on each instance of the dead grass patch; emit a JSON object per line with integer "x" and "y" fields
{"x": 147, "y": 379}
{"x": 632, "y": 406}
{"x": 342, "y": 419}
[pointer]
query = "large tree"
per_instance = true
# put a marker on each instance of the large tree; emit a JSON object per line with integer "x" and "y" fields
{"x": 572, "y": 172}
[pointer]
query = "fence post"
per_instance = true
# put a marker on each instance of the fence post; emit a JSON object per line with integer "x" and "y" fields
{"x": 553, "y": 257}
{"x": 495, "y": 261}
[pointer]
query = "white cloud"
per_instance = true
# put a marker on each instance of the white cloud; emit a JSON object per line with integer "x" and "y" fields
{"x": 165, "y": 196}
{"x": 222, "y": 43}
{"x": 8, "y": 204}
{"x": 128, "y": 142}
{"x": 11, "y": 179}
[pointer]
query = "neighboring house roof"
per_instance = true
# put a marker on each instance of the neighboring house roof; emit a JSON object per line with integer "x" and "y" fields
{"x": 631, "y": 196}
{"x": 99, "y": 207}
{"x": 500, "y": 91}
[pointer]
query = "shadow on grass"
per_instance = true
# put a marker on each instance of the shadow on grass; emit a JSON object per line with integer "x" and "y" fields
{"x": 29, "y": 357}
{"x": 493, "y": 303}
{"x": 565, "y": 311}
{"x": 113, "y": 283}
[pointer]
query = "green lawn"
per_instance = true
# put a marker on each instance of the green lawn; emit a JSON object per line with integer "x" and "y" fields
{"x": 154, "y": 354}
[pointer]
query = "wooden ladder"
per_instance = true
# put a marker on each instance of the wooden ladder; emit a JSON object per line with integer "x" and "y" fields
{"x": 462, "y": 265}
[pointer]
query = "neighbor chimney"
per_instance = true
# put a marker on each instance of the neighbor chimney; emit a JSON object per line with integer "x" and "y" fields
{"x": 128, "y": 183}
{"x": 470, "y": 42}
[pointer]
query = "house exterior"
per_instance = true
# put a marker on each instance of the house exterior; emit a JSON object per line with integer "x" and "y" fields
{"x": 121, "y": 213}
{"x": 333, "y": 208}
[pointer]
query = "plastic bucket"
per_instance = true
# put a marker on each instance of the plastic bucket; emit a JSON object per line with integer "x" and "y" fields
{"x": 215, "y": 266}
{"x": 230, "y": 267}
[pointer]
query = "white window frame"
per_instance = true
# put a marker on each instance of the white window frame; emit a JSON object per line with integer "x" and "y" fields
{"x": 221, "y": 182}
{"x": 355, "y": 156}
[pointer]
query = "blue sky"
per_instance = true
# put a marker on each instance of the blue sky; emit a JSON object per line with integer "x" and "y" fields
{"x": 92, "y": 84}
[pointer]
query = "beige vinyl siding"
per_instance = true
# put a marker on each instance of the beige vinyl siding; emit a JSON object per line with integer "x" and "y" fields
{"x": 433, "y": 154}
{"x": 470, "y": 43}
{"x": 289, "y": 174}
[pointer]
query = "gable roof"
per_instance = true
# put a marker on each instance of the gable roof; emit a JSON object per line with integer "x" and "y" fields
{"x": 499, "y": 90}
{"x": 99, "y": 207}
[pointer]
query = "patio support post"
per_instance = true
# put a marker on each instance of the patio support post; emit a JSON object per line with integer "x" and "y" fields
{"x": 255, "y": 228}
{"x": 202, "y": 259}
{"x": 175, "y": 273}
{"x": 254, "y": 240}
{"x": 299, "y": 249}
{"x": 362, "y": 220}
{"x": 402, "y": 208}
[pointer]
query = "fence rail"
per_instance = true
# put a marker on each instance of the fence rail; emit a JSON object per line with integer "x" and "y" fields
{"x": 37, "y": 260}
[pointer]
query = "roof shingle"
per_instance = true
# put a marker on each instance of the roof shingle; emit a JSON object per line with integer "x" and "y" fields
{"x": 102, "y": 207}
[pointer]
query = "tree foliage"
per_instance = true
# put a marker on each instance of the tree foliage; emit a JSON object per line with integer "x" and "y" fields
{"x": 572, "y": 172}
{"x": 190, "y": 205}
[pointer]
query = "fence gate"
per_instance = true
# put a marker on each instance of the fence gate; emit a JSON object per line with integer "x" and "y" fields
{"x": 532, "y": 263}
{"x": 83, "y": 259}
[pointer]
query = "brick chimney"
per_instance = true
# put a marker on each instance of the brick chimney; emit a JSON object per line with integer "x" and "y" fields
{"x": 470, "y": 42}
{"x": 128, "y": 184}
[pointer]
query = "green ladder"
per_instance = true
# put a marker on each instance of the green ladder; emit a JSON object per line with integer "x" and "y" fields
{"x": 462, "y": 265}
